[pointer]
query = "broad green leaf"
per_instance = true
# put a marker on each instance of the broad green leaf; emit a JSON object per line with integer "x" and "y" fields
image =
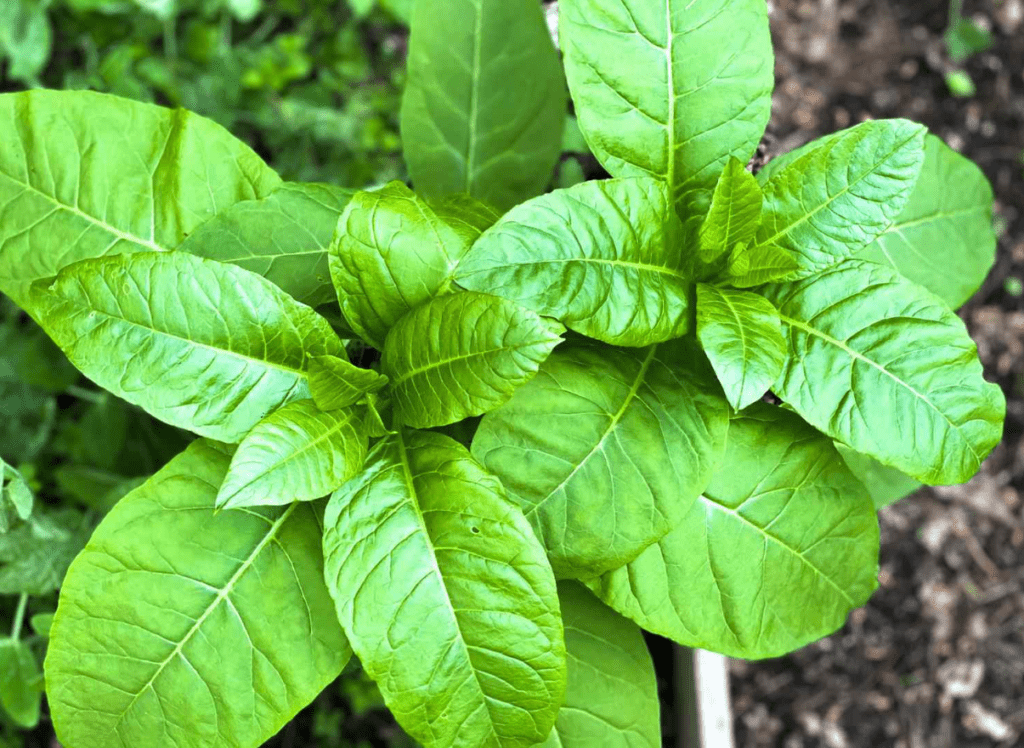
{"x": 15, "y": 497}
{"x": 393, "y": 251}
{"x": 776, "y": 553}
{"x": 612, "y": 695}
{"x": 606, "y": 449}
{"x": 284, "y": 237}
{"x": 753, "y": 266}
{"x": 883, "y": 366}
{"x": 245, "y": 10}
{"x": 361, "y": 8}
{"x": 742, "y": 337}
{"x": 464, "y": 127}
{"x": 205, "y": 346}
{"x": 885, "y": 484}
{"x": 735, "y": 212}
{"x": 88, "y": 175}
{"x": 446, "y": 596}
{"x": 335, "y": 383}
{"x": 400, "y": 9}
{"x": 943, "y": 239}
{"x": 604, "y": 258}
{"x": 181, "y": 627}
{"x": 669, "y": 88}
{"x": 841, "y": 194}
{"x": 35, "y": 555}
{"x": 378, "y": 416}
{"x": 462, "y": 355}
{"x": 297, "y": 453}
{"x": 21, "y": 683}
{"x": 93, "y": 487}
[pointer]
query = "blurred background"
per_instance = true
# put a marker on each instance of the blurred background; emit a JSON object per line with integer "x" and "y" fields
{"x": 935, "y": 660}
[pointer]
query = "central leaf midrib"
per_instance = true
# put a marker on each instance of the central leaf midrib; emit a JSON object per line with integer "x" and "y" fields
{"x": 661, "y": 269}
{"x": 612, "y": 424}
{"x": 218, "y": 599}
{"x": 462, "y": 357}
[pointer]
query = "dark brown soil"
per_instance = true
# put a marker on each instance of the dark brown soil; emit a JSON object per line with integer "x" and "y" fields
{"x": 936, "y": 659}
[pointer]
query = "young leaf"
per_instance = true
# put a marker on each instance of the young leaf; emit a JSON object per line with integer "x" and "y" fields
{"x": 612, "y": 696}
{"x": 607, "y": 449}
{"x": 297, "y": 453}
{"x": 742, "y": 336}
{"x": 885, "y": 484}
{"x": 753, "y": 266}
{"x": 943, "y": 239}
{"x": 21, "y": 683}
{"x": 335, "y": 383}
{"x": 463, "y": 128}
{"x": 283, "y": 237}
{"x": 838, "y": 196}
{"x": 463, "y": 355}
{"x": 87, "y": 175}
{"x": 35, "y": 556}
{"x": 15, "y": 497}
{"x": 883, "y": 366}
{"x": 393, "y": 251}
{"x": 669, "y": 88}
{"x": 446, "y": 596}
{"x": 180, "y": 627}
{"x": 41, "y": 624}
{"x": 604, "y": 258}
{"x": 775, "y": 554}
{"x": 735, "y": 212}
{"x": 208, "y": 347}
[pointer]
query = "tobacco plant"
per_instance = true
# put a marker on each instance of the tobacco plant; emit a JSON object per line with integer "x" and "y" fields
{"x": 618, "y": 338}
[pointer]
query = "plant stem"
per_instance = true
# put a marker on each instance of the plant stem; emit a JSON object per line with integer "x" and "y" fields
{"x": 19, "y": 616}
{"x": 83, "y": 394}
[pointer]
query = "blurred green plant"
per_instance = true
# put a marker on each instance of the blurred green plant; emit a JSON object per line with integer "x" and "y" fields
{"x": 964, "y": 38}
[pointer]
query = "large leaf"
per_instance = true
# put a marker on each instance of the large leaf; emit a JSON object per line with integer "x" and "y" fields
{"x": 883, "y": 366}
{"x": 669, "y": 88}
{"x": 21, "y": 683}
{"x": 742, "y": 336}
{"x": 885, "y": 484}
{"x": 446, "y": 596}
{"x": 87, "y": 175}
{"x": 842, "y": 192}
{"x": 464, "y": 127}
{"x": 463, "y": 355}
{"x": 297, "y": 453}
{"x": 606, "y": 449}
{"x": 283, "y": 237}
{"x": 605, "y": 258}
{"x": 205, "y": 346}
{"x": 775, "y": 554}
{"x": 944, "y": 238}
{"x": 179, "y": 627}
{"x": 336, "y": 383}
{"x": 612, "y": 697}
{"x": 393, "y": 251}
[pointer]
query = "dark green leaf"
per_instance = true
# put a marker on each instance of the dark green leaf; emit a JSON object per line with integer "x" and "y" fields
{"x": 21, "y": 683}
{"x": 35, "y": 556}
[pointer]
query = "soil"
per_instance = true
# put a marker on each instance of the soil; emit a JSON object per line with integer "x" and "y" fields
{"x": 936, "y": 658}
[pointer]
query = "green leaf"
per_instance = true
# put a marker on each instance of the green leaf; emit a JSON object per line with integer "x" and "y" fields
{"x": 393, "y": 251}
{"x": 612, "y": 695}
{"x": 883, "y": 366}
{"x": 735, "y": 212}
{"x": 208, "y": 347}
{"x": 944, "y": 238}
{"x": 87, "y": 175}
{"x": 378, "y": 416}
{"x": 297, "y": 453}
{"x": 446, "y": 596}
{"x": 606, "y": 449}
{"x": 841, "y": 194}
{"x": 742, "y": 336}
{"x": 463, "y": 355}
{"x": 965, "y": 38}
{"x": 463, "y": 128}
{"x": 361, "y": 8}
{"x": 669, "y": 88}
{"x": 604, "y": 258}
{"x": 15, "y": 497}
{"x": 41, "y": 624}
{"x": 26, "y": 39}
{"x": 775, "y": 554}
{"x": 400, "y": 9}
{"x": 753, "y": 266}
{"x": 178, "y": 626}
{"x": 93, "y": 487}
{"x": 35, "y": 556}
{"x": 245, "y": 10}
{"x": 284, "y": 237}
{"x": 21, "y": 683}
{"x": 335, "y": 383}
{"x": 885, "y": 484}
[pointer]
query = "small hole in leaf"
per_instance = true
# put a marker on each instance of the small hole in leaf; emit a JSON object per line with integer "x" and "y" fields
{"x": 475, "y": 529}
